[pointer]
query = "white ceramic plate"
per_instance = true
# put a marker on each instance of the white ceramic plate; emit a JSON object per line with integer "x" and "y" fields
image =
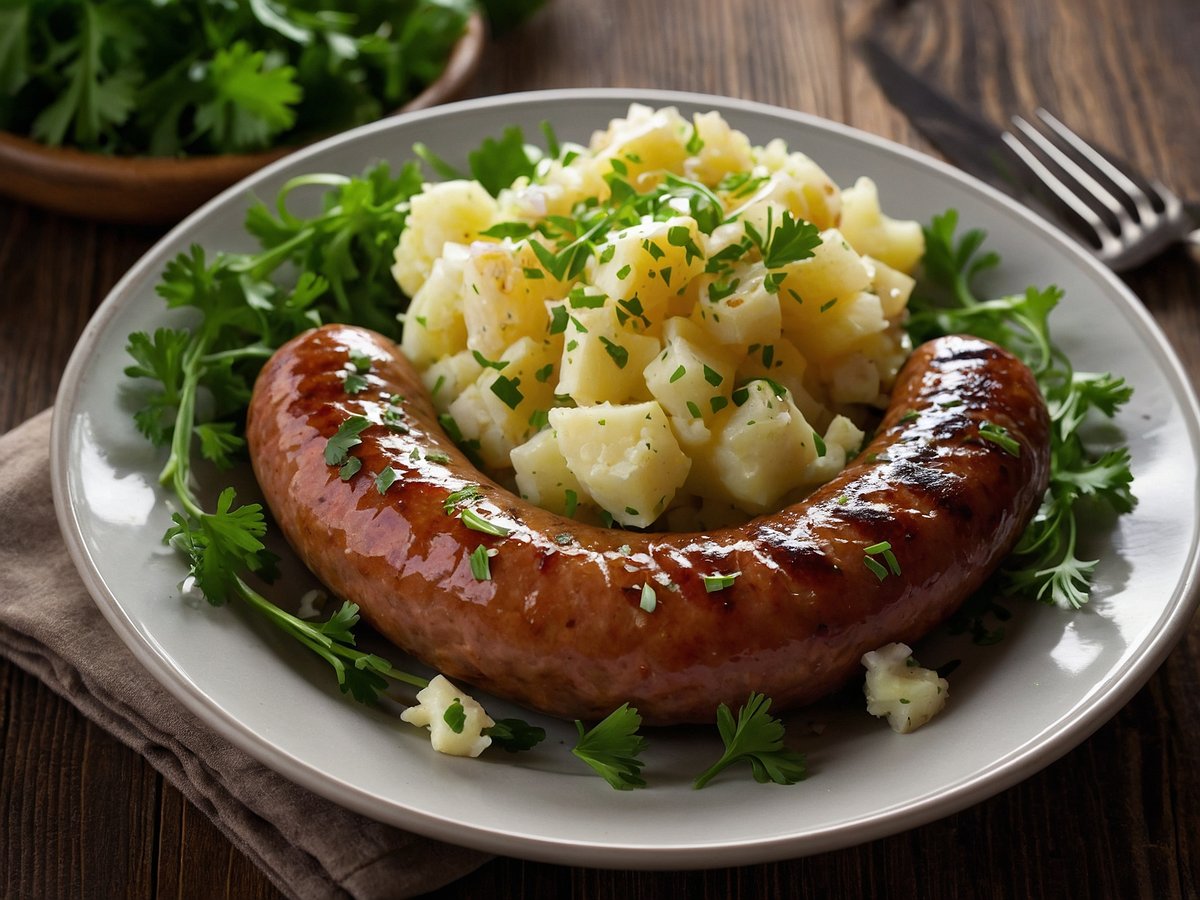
{"x": 1015, "y": 706}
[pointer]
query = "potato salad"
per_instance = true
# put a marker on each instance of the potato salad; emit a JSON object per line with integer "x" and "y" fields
{"x": 667, "y": 328}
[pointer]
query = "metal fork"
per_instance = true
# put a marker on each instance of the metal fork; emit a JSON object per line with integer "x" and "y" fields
{"x": 1130, "y": 223}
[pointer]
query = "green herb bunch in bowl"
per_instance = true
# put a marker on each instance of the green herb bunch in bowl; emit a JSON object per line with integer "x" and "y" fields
{"x": 138, "y": 111}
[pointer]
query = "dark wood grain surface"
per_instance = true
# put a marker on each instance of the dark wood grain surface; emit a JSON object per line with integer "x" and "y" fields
{"x": 1118, "y": 817}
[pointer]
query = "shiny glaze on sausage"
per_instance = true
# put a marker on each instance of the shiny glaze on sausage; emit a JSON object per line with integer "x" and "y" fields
{"x": 559, "y": 625}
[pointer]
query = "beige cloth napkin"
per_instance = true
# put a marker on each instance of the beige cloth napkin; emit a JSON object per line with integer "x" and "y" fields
{"x": 49, "y": 625}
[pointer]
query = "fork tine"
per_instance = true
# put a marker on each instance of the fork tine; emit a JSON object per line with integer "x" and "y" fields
{"x": 1143, "y": 204}
{"x": 1104, "y": 235}
{"x": 1089, "y": 184}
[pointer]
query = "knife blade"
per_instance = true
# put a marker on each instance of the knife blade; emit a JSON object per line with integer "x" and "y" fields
{"x": 963, "y": 136}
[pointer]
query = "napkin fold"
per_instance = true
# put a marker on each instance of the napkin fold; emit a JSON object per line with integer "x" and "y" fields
{"x": 50, "y": 626}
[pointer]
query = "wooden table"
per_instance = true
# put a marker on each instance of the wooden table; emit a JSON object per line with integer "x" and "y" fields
{"x": 1117, "y": 817}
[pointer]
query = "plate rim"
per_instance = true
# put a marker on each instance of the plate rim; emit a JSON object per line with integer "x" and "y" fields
{"x": 1117, "y": 687}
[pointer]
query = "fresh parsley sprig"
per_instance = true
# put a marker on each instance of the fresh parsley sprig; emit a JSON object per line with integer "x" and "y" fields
{"x": 197, "y": 77}
{"x": 756, "y": 737}
{"x": 1044, "y": 562}
{"x": 202, "y": 377}
{"x": 612, "y": 747}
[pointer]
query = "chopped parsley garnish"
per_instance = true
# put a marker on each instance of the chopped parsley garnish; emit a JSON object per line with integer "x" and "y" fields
{"x": 572, "y": 502}
{"x": 385, "y": 479}
{"x": 677, "y": 374}
{"x": 579, "y": 298}
{"x": 508, "y": 390}
{"x": 480, "y": 560}
{"x": 619, "y": 354}
{"x": 999, "y": 436}
{"x": 498, "y": 365}
{"x": 337, "y": 448}
{"x": 883, "y": 548}
{"x": 558, "y": 319}
{"x": 718, "y": 582}
{"x": 712, "y": 376}
{"x": 476, "y": 522}
{"x": 649, "y": 599}
{"x": 459, "y": 498}
{"x": 455, "y": 716}
{"x": 819, "y": 443}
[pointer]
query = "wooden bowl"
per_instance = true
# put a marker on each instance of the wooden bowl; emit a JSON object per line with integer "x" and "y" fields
{"x": 157, "y": 190}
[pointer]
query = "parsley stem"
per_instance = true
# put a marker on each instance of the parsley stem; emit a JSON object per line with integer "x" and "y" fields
{"x": 254, "y": 351}
{"x": 335, "y": 653}
{"x": 177, "y": 471}
{"x": 268, "y": 260}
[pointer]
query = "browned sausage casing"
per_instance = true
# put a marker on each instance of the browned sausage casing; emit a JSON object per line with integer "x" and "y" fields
{"x": 559, "y": 626}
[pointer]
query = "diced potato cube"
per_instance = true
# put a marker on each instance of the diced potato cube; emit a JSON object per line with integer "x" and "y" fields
{"x": 505, "y": 290}
{"x": 646, "y": 265}
{"x": 449, "y": 212}
{"x": 759, "y": 449}
{"x": 847, "y": 325}
{"x": 433, "y": 325}
{"x": 891, "y": 285}
{"x": 473, "y": 417}
{"x": 625, "y": 457}
{"x": 801, "y": 185}
{"x": 889, "y": 350}
{"x": 689, "y": 380}
{"x": 842, "y": 440}
{"x": 508, "y": 401}
{"x": 736, "y": 308}
{"x": 449, "y": 377}
{"x": 543, "y": 477}
{"x": 854, "y": 379}
{"x": 647, "y": 142}
{"x": 783, "y": 363}
{"x": 723, "y": 150}
{"x": 813, "y": 286}
{"x": 555, "y": 193}
{"x": 434, "y": 702}
{"x": 601, "y": 361}
{"x": 898, "y": 242}
{"x": 906, "y": 693}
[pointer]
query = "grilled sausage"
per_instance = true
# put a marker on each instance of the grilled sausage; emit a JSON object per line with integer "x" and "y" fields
{"x": 559, "y": 625}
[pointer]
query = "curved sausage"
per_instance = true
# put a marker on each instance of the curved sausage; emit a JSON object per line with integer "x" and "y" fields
{"x": 559, "y": 625}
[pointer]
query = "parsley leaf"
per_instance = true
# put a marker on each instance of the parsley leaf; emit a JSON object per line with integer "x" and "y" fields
{"x": 790, "y": 241}
{"x": 337, "y": 448}
{"x": 757, "y": 738}
{"x": 498, "y": 163}
{"x": 515, "y": 735}
{"x": 612, "y": 748}
{"x": 251, "y": 102}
